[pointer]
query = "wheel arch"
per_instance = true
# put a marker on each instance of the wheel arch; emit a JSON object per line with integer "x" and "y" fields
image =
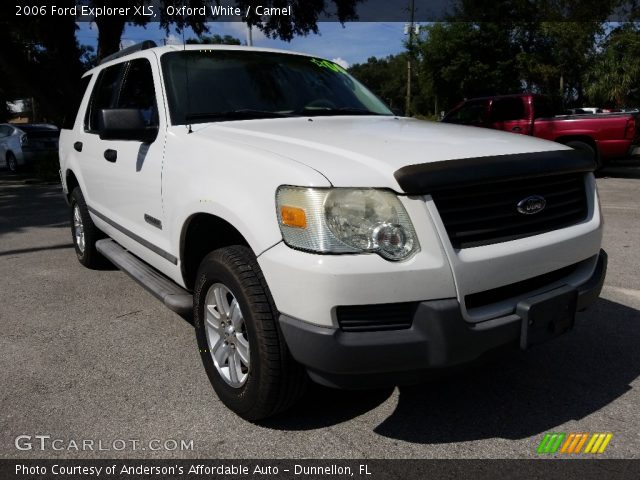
{"x": 578, "y": 138}
{"x": 586, "y": 139}
{"x": 201, "y": 234}
{"x": 71, "y": 181}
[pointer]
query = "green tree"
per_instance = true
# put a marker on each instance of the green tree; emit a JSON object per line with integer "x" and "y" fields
{"x": 460, "y": 60}
{"x": 614, "y": 78}
{"x": 214, "y": 40}
{"x": 111, "y": 27}
{"x": 386, "y": 77}
{"x": 305, "y": 20}
{"x": 39, "y": 59}
{"x": 555, "y": 40}
{"x": 553, "y": 56}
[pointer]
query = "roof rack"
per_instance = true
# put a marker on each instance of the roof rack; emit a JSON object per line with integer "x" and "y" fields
{"x": 126, "y": 51}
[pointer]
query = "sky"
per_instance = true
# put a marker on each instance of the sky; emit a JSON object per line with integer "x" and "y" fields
{"x": 352, "y": 43}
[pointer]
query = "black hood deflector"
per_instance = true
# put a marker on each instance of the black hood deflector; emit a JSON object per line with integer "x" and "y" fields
{"x": 429, "y": 177}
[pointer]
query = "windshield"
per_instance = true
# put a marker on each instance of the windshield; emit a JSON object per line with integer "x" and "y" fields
{"x": 220, "y": 85}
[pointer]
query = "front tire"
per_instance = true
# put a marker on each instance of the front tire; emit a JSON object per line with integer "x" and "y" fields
{"x": 84, "y": 233}
{"x": 241, "y": 346}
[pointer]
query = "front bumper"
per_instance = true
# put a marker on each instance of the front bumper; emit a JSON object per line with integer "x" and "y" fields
{"x": 439, "y": 337}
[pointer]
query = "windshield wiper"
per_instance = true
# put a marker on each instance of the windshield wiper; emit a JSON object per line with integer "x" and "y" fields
{"x": 240, "y": 114}
{"x": 337, "y": 111}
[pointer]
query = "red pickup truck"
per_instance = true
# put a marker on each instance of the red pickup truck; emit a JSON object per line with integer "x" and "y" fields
{"x": 606, "y": 136}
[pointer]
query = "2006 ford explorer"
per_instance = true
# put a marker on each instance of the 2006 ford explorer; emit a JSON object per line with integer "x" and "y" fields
{"x": 314, "y": 234}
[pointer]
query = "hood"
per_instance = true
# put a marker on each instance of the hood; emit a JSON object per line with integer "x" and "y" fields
{"x": 356, "y": 151}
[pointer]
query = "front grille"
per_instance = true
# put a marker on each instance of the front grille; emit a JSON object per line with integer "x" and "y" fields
{"x": 485, "y": 214}
{"x": 495, "y": 295}
{"x": 370, "y": 318}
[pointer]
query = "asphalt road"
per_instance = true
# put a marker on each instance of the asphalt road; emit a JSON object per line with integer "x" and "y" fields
{"x": 90, "y": 355}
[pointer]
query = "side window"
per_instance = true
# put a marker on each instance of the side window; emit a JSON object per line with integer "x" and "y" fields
{"x": 103, "y": 95}
{"x": 472, "y": 113}
{"x": 5, "y": 131}
{"x": 72, "y": 112}
{"x": 505, "y": 109}
{"x": 138, "y": 92}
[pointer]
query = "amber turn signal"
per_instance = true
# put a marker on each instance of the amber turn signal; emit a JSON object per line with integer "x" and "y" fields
{"x": 293, "y": 217}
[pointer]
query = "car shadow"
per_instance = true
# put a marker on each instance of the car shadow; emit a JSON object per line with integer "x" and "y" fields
{"x": 527, "y": 393}
{"x": 25, "y": 205}
{"x": 187, "y": 317}
{"x": 510, "y": 395}
{"x": 323, "y": 407}
{"x": 20, "y": 251}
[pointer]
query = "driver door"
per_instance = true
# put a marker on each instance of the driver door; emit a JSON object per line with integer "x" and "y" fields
{"x": 126, "y": 176}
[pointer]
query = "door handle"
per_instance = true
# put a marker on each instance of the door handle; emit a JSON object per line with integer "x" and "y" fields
{"x": 77, "y": 146}
{"x": 516, "y": 129}
{"x": 110, "y": 155}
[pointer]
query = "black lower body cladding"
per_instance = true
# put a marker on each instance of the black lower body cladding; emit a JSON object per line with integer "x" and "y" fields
{"x": 439, "y": 337}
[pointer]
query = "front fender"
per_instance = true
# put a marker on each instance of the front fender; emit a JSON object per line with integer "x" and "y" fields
{"x": 236, "y": 183}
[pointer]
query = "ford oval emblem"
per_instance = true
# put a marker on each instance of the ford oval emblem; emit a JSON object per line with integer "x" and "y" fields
{"x": 532, "y": 205}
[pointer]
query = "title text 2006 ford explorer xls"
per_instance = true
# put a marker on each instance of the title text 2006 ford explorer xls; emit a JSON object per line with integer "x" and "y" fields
{"x": 311, "y": 231}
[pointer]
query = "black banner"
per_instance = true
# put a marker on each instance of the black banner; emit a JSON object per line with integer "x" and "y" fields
{"x": 258, "y": 11}
{"x": 314, "y": 469}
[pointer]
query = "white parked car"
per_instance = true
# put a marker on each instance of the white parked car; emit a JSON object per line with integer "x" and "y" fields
{"x": 22, "y": 144}
{"x": 311, "y": 232}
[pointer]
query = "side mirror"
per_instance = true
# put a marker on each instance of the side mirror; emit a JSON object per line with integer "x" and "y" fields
{"x": 125, "y": 124}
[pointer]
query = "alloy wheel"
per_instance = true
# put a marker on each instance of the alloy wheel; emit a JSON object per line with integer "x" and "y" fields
{"x": 78, "y": 228}
{"x": 227, "y": 335}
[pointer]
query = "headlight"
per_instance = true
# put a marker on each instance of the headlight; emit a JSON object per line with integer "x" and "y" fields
{"x": 345, "y": 220}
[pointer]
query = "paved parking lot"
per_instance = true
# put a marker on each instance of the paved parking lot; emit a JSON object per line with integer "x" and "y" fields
{"x": 90, "y": 355}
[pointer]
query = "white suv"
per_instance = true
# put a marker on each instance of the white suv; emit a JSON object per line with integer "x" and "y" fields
{"x": 313, "y": 233}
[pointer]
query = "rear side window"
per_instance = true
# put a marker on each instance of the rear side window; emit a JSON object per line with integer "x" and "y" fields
{"x": 72, "y": 112}
{"x": 103, "y": 95}
{"x": 505, "y": 109}
{"x": 545, "y": 107}
{"x": 138, "y": 92}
